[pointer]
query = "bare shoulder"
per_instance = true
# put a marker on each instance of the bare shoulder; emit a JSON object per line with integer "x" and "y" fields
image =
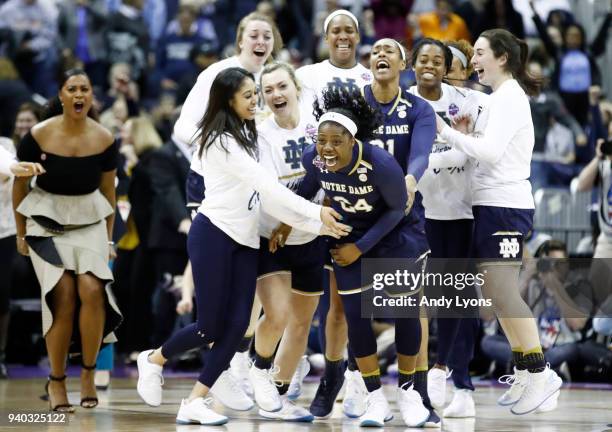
{"x": 101, "y": 134}
{"x": 44, "y": 128}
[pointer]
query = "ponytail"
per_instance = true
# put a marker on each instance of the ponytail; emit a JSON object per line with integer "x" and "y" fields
{"x": 503, "y": 42}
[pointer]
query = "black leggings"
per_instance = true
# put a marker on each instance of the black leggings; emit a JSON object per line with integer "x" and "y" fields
{"x": 361, "y": 336}
{"x": 224, "y": 274}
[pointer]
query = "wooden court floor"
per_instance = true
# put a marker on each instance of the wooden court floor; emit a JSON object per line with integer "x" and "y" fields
{"x": 120, "y": 409}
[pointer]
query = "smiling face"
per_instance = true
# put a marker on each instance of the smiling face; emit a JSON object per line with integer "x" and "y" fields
{"x": 280, "y": 93}
{"x": 430, "y": 66}
{"x": 334, "y": 145}
{"x": 257, "y": 41}
{"x": 244, "y": 101}
{"x": 386, "y": 60}
{"x": 76, "y": 96}
{"x": 489, "y": 69}
{"x": 24, "y": 122}
{"x": 342, "y": 38}
{"x": 457, "y": 72}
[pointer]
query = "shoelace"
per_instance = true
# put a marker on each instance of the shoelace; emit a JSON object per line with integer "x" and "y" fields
{"x": 269, "y": 375}
{"x": 207, "y": 402}
{"x": 510, "y": 380}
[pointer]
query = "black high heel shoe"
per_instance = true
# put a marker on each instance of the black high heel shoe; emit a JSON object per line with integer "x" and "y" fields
{"x": 90, "y": 401}
{"x": 63, "y": 408}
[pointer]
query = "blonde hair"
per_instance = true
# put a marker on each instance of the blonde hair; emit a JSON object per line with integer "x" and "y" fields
{"x": 256, "y": 16}
{"x": 467, "y": 49}
{"x": 144, "y": 135}
{"x": 275, "y": 65}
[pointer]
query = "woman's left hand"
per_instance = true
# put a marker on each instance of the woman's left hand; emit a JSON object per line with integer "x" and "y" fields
{"x": 463, "y": 123}
{"x": 345, "y": 254}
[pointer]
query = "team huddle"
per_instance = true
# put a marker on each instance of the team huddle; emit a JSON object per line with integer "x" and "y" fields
{"x": 304, "y": 173}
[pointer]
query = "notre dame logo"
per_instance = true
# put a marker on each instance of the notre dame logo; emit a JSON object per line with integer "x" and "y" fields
{"x": 350, "y": 85}
{"x": 509, "y": 248}
{"x": 293, "y": 152}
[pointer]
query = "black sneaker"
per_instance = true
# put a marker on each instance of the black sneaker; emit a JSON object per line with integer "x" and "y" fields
{"x": 323, "y": 402}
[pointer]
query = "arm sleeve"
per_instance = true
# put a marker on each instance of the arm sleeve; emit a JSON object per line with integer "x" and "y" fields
{"x": 277, "y": 198}
{"x": 186, "y": 127}
{"x": 598, "y": 46}
{"x": 550, "y": 46}
{"x": 390, "y": 182}
{"x": 423, "y": 135}
{"x": 449, "y": 158}
{"x": 6, "y": 160}
{"x": 110, "y": 157}
{"x": 502, "y": 125}
{"x": 561, "y": 114}
{"x": 167, "y": 188}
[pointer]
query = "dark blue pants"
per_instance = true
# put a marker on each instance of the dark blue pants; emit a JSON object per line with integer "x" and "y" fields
{"x": 453, "y": 239}
{"x": 225, "y": 274}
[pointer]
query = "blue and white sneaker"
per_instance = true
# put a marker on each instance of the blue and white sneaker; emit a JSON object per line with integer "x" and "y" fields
{"x": 289, "y": 412}
{"x": 295, "y": 387}
{"x": 377, "y": 410}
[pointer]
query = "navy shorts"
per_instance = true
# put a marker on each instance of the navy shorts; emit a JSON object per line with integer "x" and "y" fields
{"x": 304, "y": 262}
{"x": 499, "y": 232}
{"x": 408, "y": 242}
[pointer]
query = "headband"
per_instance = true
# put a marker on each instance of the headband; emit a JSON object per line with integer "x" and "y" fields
{"x": 457, "y": 53}
{"x": 401, "y": 48}
{"x": 335, "y": 13}
{"x": 341, "y": 119}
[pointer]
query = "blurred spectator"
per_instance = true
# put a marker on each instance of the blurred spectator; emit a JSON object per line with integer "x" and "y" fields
{"x": 203, "y": 25}
{"x": 575, "y": 67}
{"x": 201, "y": 56}
{"x": 390, "y": 18}
{"x": 561, "y": 300}
{"x": 363, "y": 55}
{"x": 556, "y": 134}
{"x": 33, "y": 26}
{"x": 28, "y": 114}
{"x": 443, "y": 24}
{"x": 174, "y": 48}
{"x": 170, "y": 222}
{"x": 500, "y": 14}
{"x": 154, "y": 13}
{"x": 81, "y": 27}
{"x": 134, "y": 274}
{"x": 13, "y": 92}
{"x": 164, "y": 115}
{"x": 121, "y": 86}
{"x": 128, "y": 39}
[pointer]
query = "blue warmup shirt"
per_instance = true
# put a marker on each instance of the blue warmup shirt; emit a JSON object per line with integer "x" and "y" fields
{"x": 408, "y": 133}
{"x": 369, "y": 192}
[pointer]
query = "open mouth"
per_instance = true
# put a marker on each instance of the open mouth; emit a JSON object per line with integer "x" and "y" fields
{"x": 330, "y": 161}
{"x": 79, "y": 106}
{"x": 479, "y": 72}
{"x": 280, "y": 105}
{"x": 343, "y": 47}
{"x": 259, "y": 53}
{"x": 382, "y": 65}
{"x": 428, "y": 76}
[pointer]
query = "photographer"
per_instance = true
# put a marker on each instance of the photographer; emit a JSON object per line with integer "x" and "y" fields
{"x": 560, "y": 299}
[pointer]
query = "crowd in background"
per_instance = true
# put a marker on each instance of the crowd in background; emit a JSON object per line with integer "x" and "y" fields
{"x": 144, "y": 56}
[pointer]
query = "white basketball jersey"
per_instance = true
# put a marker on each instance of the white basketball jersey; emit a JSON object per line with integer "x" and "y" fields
{"x": 447, "y": 192}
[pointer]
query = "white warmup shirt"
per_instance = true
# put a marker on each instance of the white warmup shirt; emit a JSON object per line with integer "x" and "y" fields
{"x": 317, "y": 77}
{"x": 281, "y": 154}
{"x": 234, "y": 182}
{"x": 501, "y": 178}
{"x": 6, "y": 160}
{"x": 446, "y": 189}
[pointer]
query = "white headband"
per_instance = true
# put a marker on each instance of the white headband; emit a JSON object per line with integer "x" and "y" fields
{"x": 462, "y": 58}
{"x": 341, "y": 119}
{"x": 401, "y": 48}
{"x": 335, "y": 13}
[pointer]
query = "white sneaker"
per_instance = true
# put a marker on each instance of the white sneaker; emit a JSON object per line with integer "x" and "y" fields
{"x": 517, "y": 383}
{"x": 289, "y": 412}
{"x": 239, "y": 368}
{"x": 295, "y": 387}
{"x": 549, "y": 404}
{"x": 198, "y": 412}
{"x": 540, "y": 387}
{"x": 230, "y": 394}
{"x": 462, "y": 405}
{"x": 377, "y": 410}
{"x": 355, "y": 394}
{"x": 266, "y": 393}
{"x": 436, "y": 386}
{"x": 102, "y": 379}
{"x": 411, "y": 407}
{"x": 150, "y": 380}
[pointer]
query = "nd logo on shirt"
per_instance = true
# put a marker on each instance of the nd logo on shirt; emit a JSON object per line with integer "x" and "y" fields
{"x": 509, "y": 248}
{"x": 293, "y": 152}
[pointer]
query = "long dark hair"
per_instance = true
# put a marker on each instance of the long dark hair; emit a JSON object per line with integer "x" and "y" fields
{"x": 54, "y": 107}
{"x": 220, "y": 118}
{"x": 354, "y": 106}
{"x": 516, "y": 50}
{"x": 448, "y": 55}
